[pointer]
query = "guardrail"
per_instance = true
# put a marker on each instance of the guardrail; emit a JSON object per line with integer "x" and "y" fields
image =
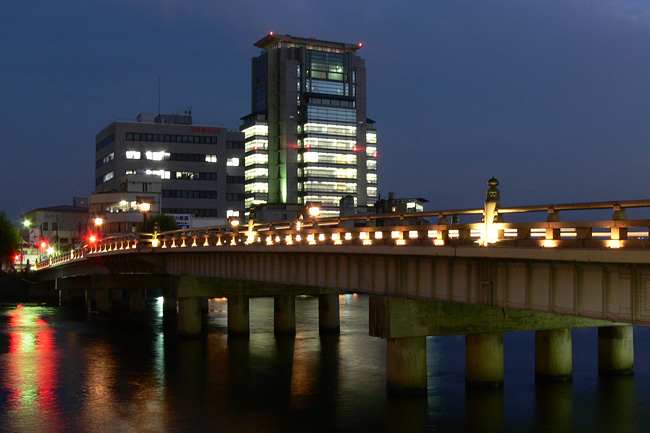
{"x": 400, "y": 230}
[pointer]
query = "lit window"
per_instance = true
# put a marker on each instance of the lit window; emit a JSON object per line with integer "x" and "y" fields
{"x": 210, "y": 158}
{"x": 132, "y": 154}
{"x": 232, "y": 162}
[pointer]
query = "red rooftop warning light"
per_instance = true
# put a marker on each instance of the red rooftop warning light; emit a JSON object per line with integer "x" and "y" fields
{"x": 360, "y": 44}
{"x": 271, "y": 33}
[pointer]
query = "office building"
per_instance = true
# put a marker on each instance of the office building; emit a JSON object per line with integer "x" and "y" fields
{"x": 199, "y": 167}
{"x": 308, "y": 140}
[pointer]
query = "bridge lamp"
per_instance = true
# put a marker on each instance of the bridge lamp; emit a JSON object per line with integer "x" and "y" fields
{"x": 313, "y": 211}
{"x": 144, "y": 208}
{"x": 234, "y": 223}
{"x": 50, "y": 251}
{"x": 98, "y": 221}
{"x": 27, "y": 223}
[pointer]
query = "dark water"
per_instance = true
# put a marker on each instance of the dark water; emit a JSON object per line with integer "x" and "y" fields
{"x": 60, "y": 371}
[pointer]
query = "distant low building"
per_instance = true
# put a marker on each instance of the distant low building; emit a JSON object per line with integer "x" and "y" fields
{"x": 400, "y": 206}
{"x": 114, "y": 213}
{"x": 56, "y": 228}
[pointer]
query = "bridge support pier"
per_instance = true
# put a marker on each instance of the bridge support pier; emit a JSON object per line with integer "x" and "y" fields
{"x": 65, "y": 297}
{"x": 238, "y": 320}
{"x": 406, "y": 365}
{"x": 484, "y": 359}
{"x": 284, "y": 314}
{"x": 553, "y": 355}
{"x": 329, "y": 316}
{"x": 137, "y": 300}
{"x": 189, "y": 315}
{"x": 615, "y": 350}
{"x": 170, "y": 302}
{"x": 104, "y": 300}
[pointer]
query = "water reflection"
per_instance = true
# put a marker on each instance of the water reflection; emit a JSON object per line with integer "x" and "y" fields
{"x": 63, "y": 372}
{"x": 30, "y": 372}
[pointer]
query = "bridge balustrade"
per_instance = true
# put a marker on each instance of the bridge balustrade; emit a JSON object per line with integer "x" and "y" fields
{"x": 395, "y": 230}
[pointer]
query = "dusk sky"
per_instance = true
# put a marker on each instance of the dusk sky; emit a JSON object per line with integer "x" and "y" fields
{"x": 551, "y": 97}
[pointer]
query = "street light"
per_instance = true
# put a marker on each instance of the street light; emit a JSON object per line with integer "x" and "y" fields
{"x": 313, "y": 211}
{"x": 145, "y": 208}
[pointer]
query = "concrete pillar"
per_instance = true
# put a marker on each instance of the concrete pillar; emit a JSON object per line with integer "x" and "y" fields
{"x": 615, "y": 350}
{"x": 189, "y": 315}
{"x": 484, "y": 359}
{"x": 65, "y": 297}
{"x": 117, "y": 295}
{"x": 238, "y": 321}
{"x": 406, "y": 365}
{"x": 104, "y": 300}
{"x": 137, "y": 300}
{"x": 329, "y": 318}
{"x": 553, "y": 354}
{"x": 170, "y": 303}
{"x": 284, "y": 314}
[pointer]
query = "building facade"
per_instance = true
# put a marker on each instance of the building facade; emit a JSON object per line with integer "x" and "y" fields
{"x": 308, "y": 139}
{"x": 200, "y": 168}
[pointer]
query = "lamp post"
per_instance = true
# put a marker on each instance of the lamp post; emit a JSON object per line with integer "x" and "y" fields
{"x": 99, "y": 221}
{"x": 145, "y": 208}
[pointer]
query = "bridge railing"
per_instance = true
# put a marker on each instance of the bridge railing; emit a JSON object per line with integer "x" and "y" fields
{"x": 409, "y": 229}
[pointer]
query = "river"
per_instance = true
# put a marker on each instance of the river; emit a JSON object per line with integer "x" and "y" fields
{"x": 62, "y": 370}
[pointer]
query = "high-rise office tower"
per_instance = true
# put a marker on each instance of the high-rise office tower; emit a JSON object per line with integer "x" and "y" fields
{"x": 307, "y": 139}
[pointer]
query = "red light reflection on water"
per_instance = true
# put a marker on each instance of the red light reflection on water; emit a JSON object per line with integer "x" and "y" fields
{"x": 31, "y": 370}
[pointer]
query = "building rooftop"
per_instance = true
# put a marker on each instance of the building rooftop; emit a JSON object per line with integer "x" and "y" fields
{"x": 62, "y": 208}
{"x": 271, "y": 39}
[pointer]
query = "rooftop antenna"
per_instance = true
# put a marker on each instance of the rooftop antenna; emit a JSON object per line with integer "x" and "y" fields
{"x": 158, "y": 95}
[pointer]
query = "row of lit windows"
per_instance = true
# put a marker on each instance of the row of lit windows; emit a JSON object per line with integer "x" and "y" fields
{"x": 256, "y": 158}
{"x": 327, "y": 143}
{"x": 371, "y": 164}
{"x": 371, "y": 177}
{"x": 166, "y": 156}
{"x": 257, "y": 144}
{"x": 180, "y": 175}
{"x": 256, "y": 129}
{"x": 183, "y": 193}
{"x": 371, "y": 151}
{"x": 257, "y": 173}
{"x": 327, "y": 61}
{"x": 168, "y": 138}
{"x": 252, "y": 201}
{"x": 327, "y": 129}
{"x": 327, "y": 158}
{"x": 326, "y": 200}
{"x": 105, "y": 178}
{"x": 371, "y": 137}
{"x": 329, "y": 172}
{"x": 334, "y": 76}
{"x": 312, "y": 186}
{"x": 332, "y": 114}
{"x": 105, "y": 160}
{"x": 256, "y": 187}
{"x": 328, "y": 87}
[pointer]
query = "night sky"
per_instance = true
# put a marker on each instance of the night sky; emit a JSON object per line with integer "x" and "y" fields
{"x": 551, "y": 97}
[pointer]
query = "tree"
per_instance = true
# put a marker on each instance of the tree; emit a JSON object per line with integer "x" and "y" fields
{"x": 10, "y": 241}
{"x": 165, "y": 223}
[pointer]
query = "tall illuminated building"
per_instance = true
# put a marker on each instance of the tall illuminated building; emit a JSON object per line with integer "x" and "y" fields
{"x": 307, "y": 139}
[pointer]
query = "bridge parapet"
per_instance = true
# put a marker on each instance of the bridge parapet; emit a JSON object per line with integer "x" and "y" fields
{"x": 374, "y": 230}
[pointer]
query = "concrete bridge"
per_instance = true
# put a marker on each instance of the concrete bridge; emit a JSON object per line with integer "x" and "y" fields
{"x": 440, "y": 277}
